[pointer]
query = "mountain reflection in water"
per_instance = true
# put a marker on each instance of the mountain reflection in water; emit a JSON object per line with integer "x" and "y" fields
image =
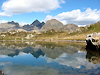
{"x": 48, "y": 58}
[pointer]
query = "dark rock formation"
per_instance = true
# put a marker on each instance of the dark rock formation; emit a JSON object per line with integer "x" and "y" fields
{"x": 93, "y": 56}
{"x": 92, "y": 47}
{"x": 40, "y": 25}
{"x": 28, "y": 27}
{"x": 35, "y": 24}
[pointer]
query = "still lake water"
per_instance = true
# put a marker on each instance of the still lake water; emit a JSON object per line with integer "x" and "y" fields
{"x": 48, "y": 58}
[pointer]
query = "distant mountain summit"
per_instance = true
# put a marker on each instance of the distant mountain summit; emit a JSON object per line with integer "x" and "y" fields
{"x": 38, "y": 24}
{"x": 35, "y": 25}
{"x": 9, "y": 26}
{"x": 52, "y": 24}
{"x": 14, "y": 23}
{"x": 70, "y": 28}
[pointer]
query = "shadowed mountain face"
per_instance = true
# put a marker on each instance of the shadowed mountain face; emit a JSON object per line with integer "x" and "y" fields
{"x": 35, "y": 25}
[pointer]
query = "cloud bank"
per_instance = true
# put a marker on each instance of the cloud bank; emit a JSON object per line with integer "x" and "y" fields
{"x": 11, "y": 7}
{"x": 78, "y": 17}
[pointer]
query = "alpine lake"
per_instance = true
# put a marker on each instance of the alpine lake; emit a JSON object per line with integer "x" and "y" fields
{"x": 48, "y": 58}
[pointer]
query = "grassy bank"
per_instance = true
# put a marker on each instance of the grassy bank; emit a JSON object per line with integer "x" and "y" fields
{"x": 51, "y": 35}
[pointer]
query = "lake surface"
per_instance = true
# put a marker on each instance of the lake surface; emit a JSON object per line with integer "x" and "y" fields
{"x": 48, "y": 58}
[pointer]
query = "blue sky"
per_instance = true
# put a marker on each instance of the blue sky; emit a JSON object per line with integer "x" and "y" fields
{"x": 80, "y": 12}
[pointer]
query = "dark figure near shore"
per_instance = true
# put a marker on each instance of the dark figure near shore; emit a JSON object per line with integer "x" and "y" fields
{"x": 1, "y": 73}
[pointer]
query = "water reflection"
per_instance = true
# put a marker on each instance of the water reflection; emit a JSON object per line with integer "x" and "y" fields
{"x": 51, "y": 49}
{"x": 93, "y": 56}
{"x": 48, "y": 58}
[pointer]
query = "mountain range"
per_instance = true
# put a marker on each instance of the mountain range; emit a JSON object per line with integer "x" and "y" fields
{"x": 9, "y": 26}
{"x": 34, "y": 26}
{"x": 15, "y": 26}
{"x": 49, "y": 25}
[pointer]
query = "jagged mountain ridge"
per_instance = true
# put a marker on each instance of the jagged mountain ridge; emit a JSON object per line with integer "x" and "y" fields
{"x": 38, "y": 24}
{"x": 15, "y": 26}
{"x": 50, "y": 24}
{"x": 14, "y": 23}
{"x": 9, "y": 26}
{"x": 35, "y": 25}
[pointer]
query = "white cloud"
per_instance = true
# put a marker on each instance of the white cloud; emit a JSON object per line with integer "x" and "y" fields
{"x": 77, "y": 17}
{"x": 4, "y": 14}
{"x": 23, "y": 23}
{"x": 79, "y": 60}
{"x": 3, "y": 21}
{"x": 26, "y": 6}
{"x": 48, "y": 17}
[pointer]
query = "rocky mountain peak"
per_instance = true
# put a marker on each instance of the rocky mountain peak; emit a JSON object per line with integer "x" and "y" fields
{"x": 52, "y": 24}
{"x": 35, "y": 23}
{"x": 9, "y": 26}
{"x": 14, "y": 23}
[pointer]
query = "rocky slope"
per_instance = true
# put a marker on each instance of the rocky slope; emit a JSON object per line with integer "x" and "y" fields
{"x": 91, "y": 28}
{"x": 52, "y": 24}
{"x": 9, "y": 26}
{"x": 70, "y": 28}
